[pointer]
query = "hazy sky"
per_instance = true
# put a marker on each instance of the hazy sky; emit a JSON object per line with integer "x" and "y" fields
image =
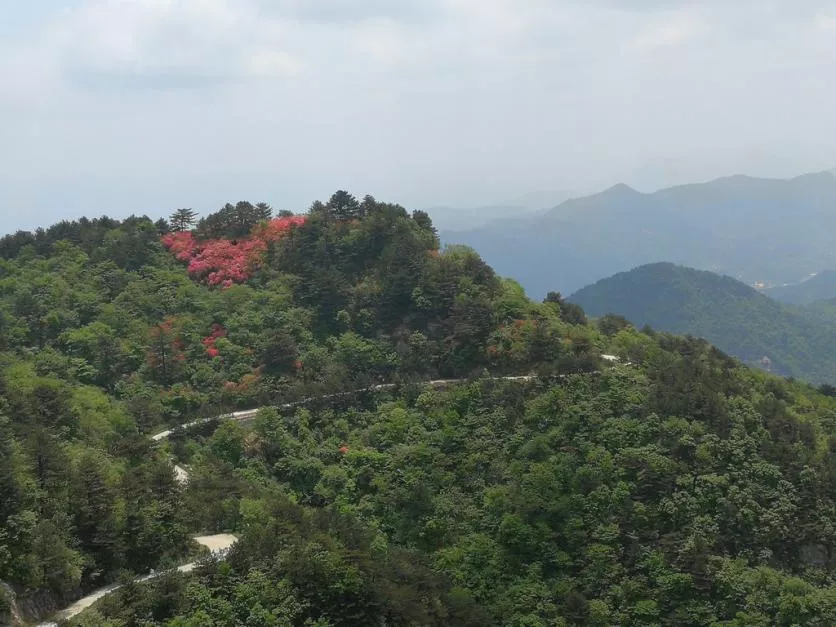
{"x": 120, "y": 106}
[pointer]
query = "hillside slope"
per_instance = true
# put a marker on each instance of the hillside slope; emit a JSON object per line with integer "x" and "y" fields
{"x": 669, "y": 486}
{"x": 733, "y": 316}
{"x": 754, "y": 229}
{"x": 680, "y": 490}
{"x": 110, "y": 330}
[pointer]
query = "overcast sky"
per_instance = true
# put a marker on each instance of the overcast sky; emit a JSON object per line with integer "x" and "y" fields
{"x": 120, "y": 106}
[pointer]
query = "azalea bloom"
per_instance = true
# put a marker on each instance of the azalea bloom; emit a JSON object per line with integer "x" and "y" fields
{"x": 209, "y": 342}
{"x": 226, "y": 262}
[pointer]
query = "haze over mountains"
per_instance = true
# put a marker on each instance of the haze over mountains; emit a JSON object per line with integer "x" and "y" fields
{"x": 738, "y": 319}
{"x": 821, "y": 286}
{"x": 528, "y": 205}
{"x": 774, "y": 231}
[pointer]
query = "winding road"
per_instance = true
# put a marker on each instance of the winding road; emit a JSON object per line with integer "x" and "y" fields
{"x": 220, "y": 544}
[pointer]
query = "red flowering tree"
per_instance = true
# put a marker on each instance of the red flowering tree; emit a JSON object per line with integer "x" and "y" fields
{"x": 226, "y": 262}
{"x": 210, "y": 341}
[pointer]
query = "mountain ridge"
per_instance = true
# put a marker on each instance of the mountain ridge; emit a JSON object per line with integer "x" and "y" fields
{"x": 821, "y": 287}
{"x": 754, "y": 229}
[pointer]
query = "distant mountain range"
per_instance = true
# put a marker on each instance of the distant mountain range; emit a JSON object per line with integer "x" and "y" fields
{"x": 738, "y": 319}
{"x": 526, "y": 206}
{"x": 769, "y": 230}
{"x": 821, "y": 286}
{"x": 455, "y": 218}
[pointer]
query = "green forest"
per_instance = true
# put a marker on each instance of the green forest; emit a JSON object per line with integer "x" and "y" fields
{"x": 799, "y": 341}
{"x": 672, "y": 486}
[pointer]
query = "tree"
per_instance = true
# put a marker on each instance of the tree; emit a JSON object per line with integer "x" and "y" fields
{"x": 281, "y": 354}
{"x": 246, "y": 216}
{"x": 569, "y": 312}
{"x": 131, "y": 245}
{"x": 611, "y": 324}
{"x": 343, "y": 205}
{"x": 234, "y": 221}
{"x": 95, "y": 516}
{"x": 165, "y": 352}
{"x": 182, "y": 219}
{"x": 262, "y": 212}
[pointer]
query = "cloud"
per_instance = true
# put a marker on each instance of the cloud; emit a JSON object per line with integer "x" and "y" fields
{"x": 174, "y": 102}
{"x": 666, "y": 31}
{"x": 155, "y": 44}
{"x": 340, "y": 11}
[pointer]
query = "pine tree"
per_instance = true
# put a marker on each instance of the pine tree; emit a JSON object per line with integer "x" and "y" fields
{"x": 94, "y": 507}
{"x": 182, "y": 219}
{"x": 263, "y": 211}
{"x": 10, "y": 490}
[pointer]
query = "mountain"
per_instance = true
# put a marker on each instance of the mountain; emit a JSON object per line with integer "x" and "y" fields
{"x": 424, "y": 444}
{"x": 733, "y": 316}
{"x": 113, "y": 330}
{"x": 821, "y": 286}
{"x": 453, "y": 218}
{"x": 528, "y": 205}
{"x": 753, "y": 229}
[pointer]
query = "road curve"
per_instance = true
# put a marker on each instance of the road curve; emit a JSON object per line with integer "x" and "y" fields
{"x": 220, "y": 544}
{"x": 249, "y": 414}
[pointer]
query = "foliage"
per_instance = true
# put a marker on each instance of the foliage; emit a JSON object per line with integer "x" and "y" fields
{"x": 108, "y": 332}
{"x": 182, "y": 219}
{"x": 678, "y": 488}
{"x": 798, "y": 342}
{"x": 223, "y": 261}
{"x": 681, "y": 490}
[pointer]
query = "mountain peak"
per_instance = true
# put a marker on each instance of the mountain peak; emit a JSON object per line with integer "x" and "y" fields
{"x": 620, "y": 189}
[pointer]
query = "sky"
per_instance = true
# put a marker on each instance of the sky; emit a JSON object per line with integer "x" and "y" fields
{"x": 142, "y": 106}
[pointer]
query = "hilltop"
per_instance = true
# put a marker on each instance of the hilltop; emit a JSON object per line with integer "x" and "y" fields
{"x": 753, "y": 229}
{"x": 733, "y": 316}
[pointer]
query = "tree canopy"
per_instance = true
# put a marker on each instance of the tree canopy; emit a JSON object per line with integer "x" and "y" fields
{"x": 673, "y": 486}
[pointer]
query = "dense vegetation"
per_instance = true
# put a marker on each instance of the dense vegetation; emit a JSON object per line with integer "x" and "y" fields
{"x": 106, "y": 335}
{"x": 735, "y": 317}
{"x": 776, "y": 231}
{"x": 674, "y": 488}
{"x": 680, "y": 490}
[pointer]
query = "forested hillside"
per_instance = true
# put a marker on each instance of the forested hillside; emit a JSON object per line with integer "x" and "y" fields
{"x": 110, "y": 329}
{"x": 798, "y": 342}
{"x": 680, "y": 490}
{"x": 770, "y": 230}
{"x": 674, "y": 487}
